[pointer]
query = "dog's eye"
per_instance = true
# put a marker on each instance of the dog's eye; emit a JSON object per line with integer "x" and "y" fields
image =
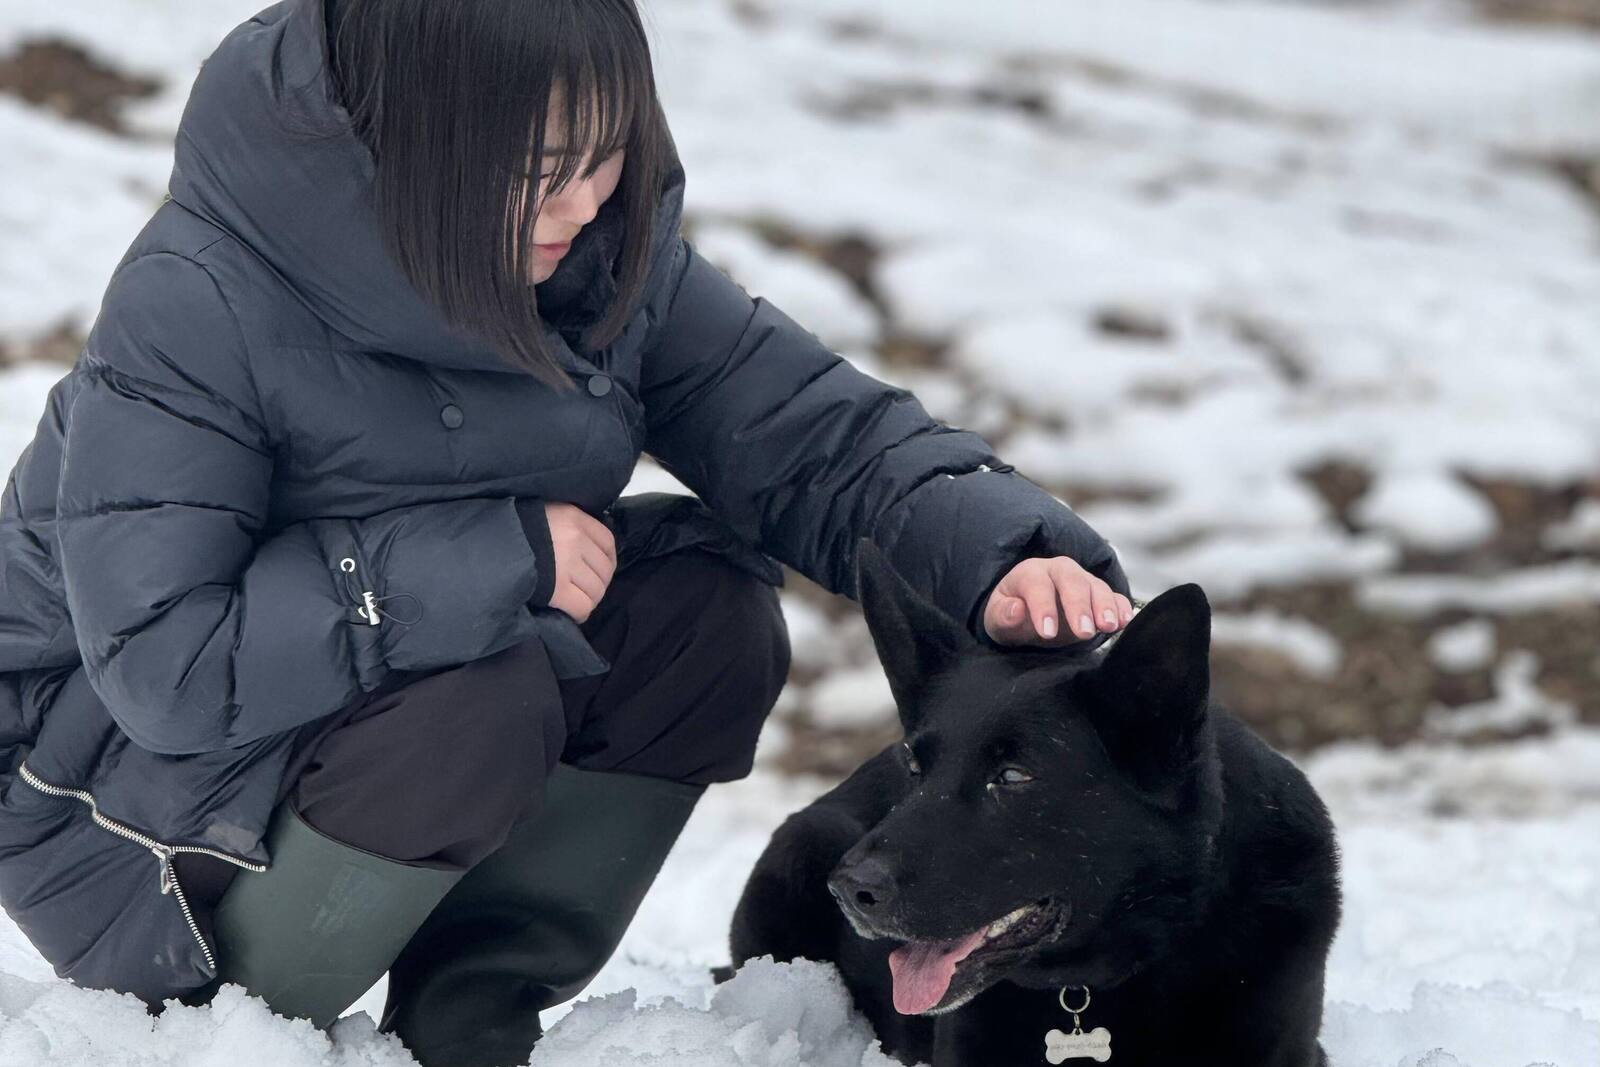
{"x": 1012, "y": 776}
{"x": 911, "y": 759}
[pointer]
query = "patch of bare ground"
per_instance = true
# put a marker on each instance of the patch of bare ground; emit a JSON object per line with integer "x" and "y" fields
{"x": 1387, "y": 682}
{"x": 1582, "y": 173}
{"x": 1549, "y": 12}
{"x": 60, "y": 76}
{"x": 58, "y": 345}
{"x": 833, "y": 752}
{"x": 880, "y": 98}
{"x": 1340, "y": 485}
{"x": 854, "y": 256}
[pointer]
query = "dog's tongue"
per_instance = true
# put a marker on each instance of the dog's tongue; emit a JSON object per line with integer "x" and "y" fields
{"x": 922, "y": 970}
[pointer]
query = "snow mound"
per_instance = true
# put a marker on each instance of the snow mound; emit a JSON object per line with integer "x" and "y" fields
{"x": 1496, "y": 1026}
{"x": 769, "y": 1015}
{"x": 54, "y": 1023}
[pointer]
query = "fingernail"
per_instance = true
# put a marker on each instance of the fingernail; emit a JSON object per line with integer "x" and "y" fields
{"x": 1110, "y": 616}
{"x": 1049, "y": 626}
{"x": 1086, "y": 626}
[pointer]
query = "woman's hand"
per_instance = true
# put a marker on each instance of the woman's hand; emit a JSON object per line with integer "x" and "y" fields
{"x": 586, "y": 558}
{"x": 1028, "y": 605}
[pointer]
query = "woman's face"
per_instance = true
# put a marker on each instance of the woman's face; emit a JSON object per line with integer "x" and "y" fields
{"x": 563, "y": 213}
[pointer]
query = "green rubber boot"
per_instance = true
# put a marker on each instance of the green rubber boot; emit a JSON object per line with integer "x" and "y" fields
{"x": 534, "y": 922}
{"x": 315, "y": 930}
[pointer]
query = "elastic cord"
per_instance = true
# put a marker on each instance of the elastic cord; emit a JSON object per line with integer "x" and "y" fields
{"x": 358, "y": 596}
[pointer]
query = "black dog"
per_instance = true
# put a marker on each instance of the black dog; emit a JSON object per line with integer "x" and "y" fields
{"x": 1060, "y": 832}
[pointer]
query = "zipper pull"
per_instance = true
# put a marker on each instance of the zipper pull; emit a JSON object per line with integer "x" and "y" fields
{"x": 164, "y": 854}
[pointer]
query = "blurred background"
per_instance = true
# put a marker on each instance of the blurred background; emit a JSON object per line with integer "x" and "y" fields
{"x": 1296, "y": 300}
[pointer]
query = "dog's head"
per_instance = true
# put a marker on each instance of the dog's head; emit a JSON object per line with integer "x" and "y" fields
{"x": 1057, "y": 809}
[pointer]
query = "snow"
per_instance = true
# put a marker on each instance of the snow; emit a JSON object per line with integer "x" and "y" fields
{"x": 852, "y": 696}
{"x": 1346, "y": 66}
{"x": 1330, "y": 221}
{"x": 1204, "y": 248}
{"x": 1309, "y": 647}
{"x": 770, "y": 1015}
{"x": 64, "y": 212}
{"x": 1231, "y": 565}
{"x": 1471, "y": 925}
{"x": 808, "y": 292}
{"x": 1517, "y": 704}
{"x": 1428, "y": 509}
{"x": 23, "y": 389}
{"x": 1569, "y": 583}
{"x": 1465, "y": 646}
{"x": 1580, "y": 530}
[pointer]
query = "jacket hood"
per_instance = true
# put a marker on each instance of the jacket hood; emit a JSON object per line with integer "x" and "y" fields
{"x": 266, "y": 152}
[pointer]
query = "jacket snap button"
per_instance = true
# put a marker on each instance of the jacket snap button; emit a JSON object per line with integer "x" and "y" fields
{"x": 451, "y": 416}
{"x": 599, "y": 385}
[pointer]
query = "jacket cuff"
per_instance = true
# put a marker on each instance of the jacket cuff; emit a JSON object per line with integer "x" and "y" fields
{"x": 536, "y": 527}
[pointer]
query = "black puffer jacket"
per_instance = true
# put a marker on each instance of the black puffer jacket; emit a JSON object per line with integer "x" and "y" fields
{"x": 267, "y": 424}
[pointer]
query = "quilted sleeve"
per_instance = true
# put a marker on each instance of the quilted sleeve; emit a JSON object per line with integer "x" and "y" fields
{"x": 200, "y": 629}
{"x": 803, "y": 454}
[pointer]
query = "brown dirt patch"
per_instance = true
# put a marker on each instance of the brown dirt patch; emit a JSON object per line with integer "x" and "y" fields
{"x": 1550, "y": 12}
{"x": 59, "y": 345}
{"x": 60, "y": 76}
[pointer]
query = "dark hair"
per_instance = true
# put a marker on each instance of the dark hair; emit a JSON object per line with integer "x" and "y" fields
{"x": 451, "y": 99}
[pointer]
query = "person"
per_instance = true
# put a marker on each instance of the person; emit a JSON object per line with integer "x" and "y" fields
{"x": 329, "y": 645}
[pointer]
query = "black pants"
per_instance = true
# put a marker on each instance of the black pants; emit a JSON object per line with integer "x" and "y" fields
{"x": 433, "y": 769}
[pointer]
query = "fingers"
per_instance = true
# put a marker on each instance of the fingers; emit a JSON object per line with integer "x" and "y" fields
{"x": 590, "y": 578}
{"x": 598, "y": 534}
{"x": 1037, "y": 589}
{"x": 1053, "y": 602}
{"x": 1124, "y": 609}
{"x": 1075, "y": 589}
{"x": 586, "y": 559}
{"x": 1104, "y": 609}
{"x": 595, "y": 557}
{"x": 575, "y": 602}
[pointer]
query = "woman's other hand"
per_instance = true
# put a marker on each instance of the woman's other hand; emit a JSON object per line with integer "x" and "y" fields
{"x": 1028, "y": 605}
{"x": 586, "y": 558}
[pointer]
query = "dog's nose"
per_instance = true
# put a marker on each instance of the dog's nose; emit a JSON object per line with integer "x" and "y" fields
{"x": 866, "y": 886}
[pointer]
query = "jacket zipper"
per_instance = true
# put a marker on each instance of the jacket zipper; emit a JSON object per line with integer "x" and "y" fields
{"x": 162, "y": 851}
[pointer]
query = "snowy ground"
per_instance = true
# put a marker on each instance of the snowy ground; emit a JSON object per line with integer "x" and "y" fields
{"x": 1173, "y": 255}
{"x": 1473, "y": 938}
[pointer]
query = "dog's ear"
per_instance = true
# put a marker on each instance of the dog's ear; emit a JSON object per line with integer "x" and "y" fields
{"x": 1147, "y": 698}
{"x": 913, "y": 637}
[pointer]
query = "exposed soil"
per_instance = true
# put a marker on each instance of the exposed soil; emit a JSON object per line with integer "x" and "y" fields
{"x": 1386, "y": 684}
{"x": 1340, "y": 485}
{"x": 854, "y": 256}
{"x": 1387, "y": 681}
{"x": 1552, "y": 12}
{"x": 60, "y": 345}
{"x": 1582, "y": 173}
{"x": 56, "y": 74}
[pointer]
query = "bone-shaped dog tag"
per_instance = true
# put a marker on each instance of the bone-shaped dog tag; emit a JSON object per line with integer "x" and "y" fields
{"x": 1096, "y": 1045}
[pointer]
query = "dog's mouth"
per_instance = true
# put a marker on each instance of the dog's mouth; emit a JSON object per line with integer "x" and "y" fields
{"x": 936, "y": 976}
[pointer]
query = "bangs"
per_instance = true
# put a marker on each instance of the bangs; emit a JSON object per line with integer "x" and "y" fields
{"x": 601, "y": 88}
{"x": 454, "y": 100}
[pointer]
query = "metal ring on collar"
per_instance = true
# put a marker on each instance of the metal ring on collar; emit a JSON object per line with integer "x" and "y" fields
{"x": 1062, "y": 997}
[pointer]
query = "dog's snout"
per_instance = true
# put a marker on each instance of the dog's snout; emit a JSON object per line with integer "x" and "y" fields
{"x": 866, "y": 886}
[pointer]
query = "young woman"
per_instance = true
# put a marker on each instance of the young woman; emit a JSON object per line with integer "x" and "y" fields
{"x": 326, "y": 646}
